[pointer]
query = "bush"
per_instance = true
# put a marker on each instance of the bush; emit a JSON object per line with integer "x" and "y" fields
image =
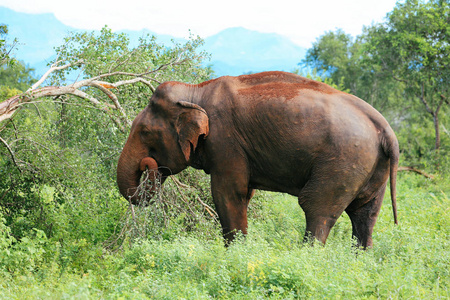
{"x": 19, "y": 257}
{"x": 407, "y": 261}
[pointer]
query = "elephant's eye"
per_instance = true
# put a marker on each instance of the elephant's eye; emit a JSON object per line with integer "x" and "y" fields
{"x": 145, "y": 133}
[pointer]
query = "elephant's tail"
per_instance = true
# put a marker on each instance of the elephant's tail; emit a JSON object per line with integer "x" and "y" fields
{"x": 391, "y": 148}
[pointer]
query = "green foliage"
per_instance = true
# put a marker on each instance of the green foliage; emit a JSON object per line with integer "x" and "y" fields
{"x": 109, "y": 52}
{"x": 6, "y": 47}
{"x": 65, "y": 232}
{"x": 413, "y": 44}
{"x": 7, "y": 92}
{"x": 339, "y": 85}
{"x": 413, "y": 47}
{"x": 18, "y": 257}
{"x": 408, "y": 261}
{"x": 415, "y": 139}
{"x": 334, "y": 55}
{"x": 17, "y": 76}
{"x": 58, "y": 157}
{"x": 57, "y": 167}
{"x": 338, "y": 57}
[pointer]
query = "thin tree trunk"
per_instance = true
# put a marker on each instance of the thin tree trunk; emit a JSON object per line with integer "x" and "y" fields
{"x": 435, "y": 115}
{"x": 436, "y": 130}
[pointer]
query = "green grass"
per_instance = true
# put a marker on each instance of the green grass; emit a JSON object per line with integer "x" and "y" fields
{"x": 410, "y": 260}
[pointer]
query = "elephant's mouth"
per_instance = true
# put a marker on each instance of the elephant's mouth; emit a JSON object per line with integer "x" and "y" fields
{"x": 149, "y": 182}
{"x": 148, "y": 163}
{"x": 141, "y": 183}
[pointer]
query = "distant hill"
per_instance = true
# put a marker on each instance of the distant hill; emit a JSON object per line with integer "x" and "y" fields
{"x": 38, "y": 34}
{"x": 234, "y": 51}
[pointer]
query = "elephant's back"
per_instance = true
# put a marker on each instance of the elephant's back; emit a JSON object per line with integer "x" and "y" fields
{"x": 294, "y": 116}
{"x": 277, "y": 85}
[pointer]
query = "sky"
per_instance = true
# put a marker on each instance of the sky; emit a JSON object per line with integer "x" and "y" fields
{"x": 301, "y": 21}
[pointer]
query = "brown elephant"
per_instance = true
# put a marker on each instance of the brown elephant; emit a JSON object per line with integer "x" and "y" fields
{"x": 273, "y": 131}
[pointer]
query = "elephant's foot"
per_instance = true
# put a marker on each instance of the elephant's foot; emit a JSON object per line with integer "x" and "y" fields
{"x": 318, "y": 228}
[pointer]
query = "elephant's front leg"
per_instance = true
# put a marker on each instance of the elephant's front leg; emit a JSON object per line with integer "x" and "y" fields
{"x": 231, "y": 196}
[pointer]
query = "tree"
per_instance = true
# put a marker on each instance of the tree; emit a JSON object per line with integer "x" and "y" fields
{"x": 341, "y": 58}
{"x": 5, "y": 47}
{"x": 333, "y": 55}
{"x": 61, "y": 137}
{"x": 17, "y": 76}
{"x": 413, "y": 47}
{"x": 104, "y": 63}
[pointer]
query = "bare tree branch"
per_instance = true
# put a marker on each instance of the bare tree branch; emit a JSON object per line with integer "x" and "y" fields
{"x": 174, "y": 62}
{"x": 135, "y": 80}
{"x": 208, "y": 208}
{"x": 424, "y": 100}
{"x": 102, "y": 82}
{"x": 54, "y": 67}
{"x": 10, "y": 152}
{"x": 123, "y": 62}
{"x": 9, "y": 106}
{"x": 104, "y": 87}
{"x": 399, "y": 79}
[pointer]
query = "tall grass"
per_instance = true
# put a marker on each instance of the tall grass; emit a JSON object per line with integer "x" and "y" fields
{"x": 410, "y": 260}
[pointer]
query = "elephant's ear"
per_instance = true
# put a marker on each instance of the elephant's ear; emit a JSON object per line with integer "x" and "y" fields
{"x": 192, "y": 122}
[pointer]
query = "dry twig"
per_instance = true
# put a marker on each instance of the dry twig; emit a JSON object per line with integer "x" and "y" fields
{"x": 158, "y": 207}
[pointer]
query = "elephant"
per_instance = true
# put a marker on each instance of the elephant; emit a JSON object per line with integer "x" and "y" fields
{"x": 273, "y": 131}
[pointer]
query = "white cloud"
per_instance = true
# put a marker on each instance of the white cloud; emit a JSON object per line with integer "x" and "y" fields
{"x": 302, "y": 21}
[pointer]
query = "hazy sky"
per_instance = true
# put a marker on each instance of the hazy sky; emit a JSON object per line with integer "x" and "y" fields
{"x": 301, "y": 21}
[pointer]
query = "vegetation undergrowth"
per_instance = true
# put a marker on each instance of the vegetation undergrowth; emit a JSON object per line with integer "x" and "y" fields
{"x": 66, "y": 232}
{"x": 407, "y": 261}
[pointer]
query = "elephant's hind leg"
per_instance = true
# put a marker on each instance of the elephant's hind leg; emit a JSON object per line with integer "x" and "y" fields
{"x": 364, "y": 218}
{"x": 322, "y": 203}
{"x": 318, "y": 227}
{"x": 364, "y": 209}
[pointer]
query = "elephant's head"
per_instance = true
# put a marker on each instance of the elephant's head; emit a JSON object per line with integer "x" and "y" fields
{"x": 164, "y": 136}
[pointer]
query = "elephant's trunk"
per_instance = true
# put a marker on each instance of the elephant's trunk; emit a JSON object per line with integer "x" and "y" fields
{"x": 128, "y": 177}
{"x": 131, "y": 165}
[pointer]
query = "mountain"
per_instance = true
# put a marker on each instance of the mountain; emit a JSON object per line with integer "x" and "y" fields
{"x": 234, "y": 51}
{"x": 38, "y": 34}
{"x": 165, "y": 39}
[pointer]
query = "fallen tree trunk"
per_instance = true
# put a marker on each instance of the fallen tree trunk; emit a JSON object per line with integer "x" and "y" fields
{"x": 412, "y": 169}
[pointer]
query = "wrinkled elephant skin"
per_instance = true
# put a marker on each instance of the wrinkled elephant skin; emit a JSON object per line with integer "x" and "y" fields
{"x": 273, "y": 131}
